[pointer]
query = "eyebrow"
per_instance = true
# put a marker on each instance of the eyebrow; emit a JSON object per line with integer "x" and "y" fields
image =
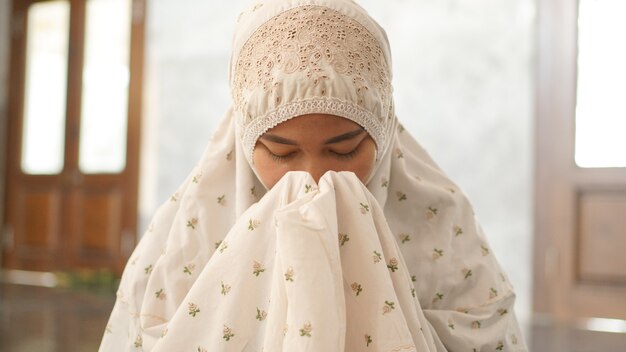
{"x": 340, "y": 138}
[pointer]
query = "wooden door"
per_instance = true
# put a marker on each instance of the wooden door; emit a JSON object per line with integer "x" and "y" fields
{"x": 73, "y": 145}
{"x": 580, "y": 237}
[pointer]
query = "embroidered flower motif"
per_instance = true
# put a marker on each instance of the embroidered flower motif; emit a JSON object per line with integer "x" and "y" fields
{"x": 289, "y": 274}
{"x": 148, "y": 269}
{"x": 377, "y": 257}
{"x": 400, "y": 128}
{"x": 253, "y": 224}
{"x": 138, "y": 342}
{"x": 438, "y": 297}
{"x": 431, "y": 213}
{"x": 229, "y": 156}
{"x": 109, "y": 329}
{"x": 193, "y": 309}
{"x": 364, "y": 208}
{"x": 260, "y": 314}
{"x": 356, "y": 288}
{"x": 309, "y": 188}
{"x": 393, "y": 265}
{"x": 458, "y": 231}
{"x": 164, "y": 332}
{"x": 343, "y": 238}
{"x": 225, "y": 288}
{"x": 257, "y": 6}
{"x": 451, "y": 190}
{"x": 450, "y": 324}
{"x": 217, "y": 244}
{"x": 437, "y": 253}
{"x": 306, "y": 330}
{"x": 228, "y": 333}
{"x": 413, "y": 292}
{"x": 200, "y": 349}
{"x": 476, "y": 324}
{"x": 160, "y": 294}
{"x": 388, "y": 307}
{"x": 257, "y": 268}
{"x": 188, "y": 269}
{"x": 197, "y": 177}
{"x": 368, "y": 340}
{"x": 493, "y": 293}
{"x": 193, "y": 222}
{"x": 253, "y": 192}
{"x": 500, "y": 346}
{"x": 384, "y": 183}
{"x": 174, "y": 197}
{"x": 401, "y": 196}
{"x": 222, "y": 247}
{"x": 502, "y": 311}
{"x": 466, "y": 273}
{"x": 413, "y": 278}
{"x": 221, "y": 200}
{"x": 484, "y": 250}
{"x": 404, "y": 238}
{"x": 462, "y": 310}
{"x": 399, "y": 153}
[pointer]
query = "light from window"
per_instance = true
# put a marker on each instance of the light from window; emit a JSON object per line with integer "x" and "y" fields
{"x": 43, "y": 135}
{"x": 601, "y": 100}
{"x": 105, "y": 86}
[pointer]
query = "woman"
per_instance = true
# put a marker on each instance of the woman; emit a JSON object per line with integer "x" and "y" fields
{"x": 313, "y": 222}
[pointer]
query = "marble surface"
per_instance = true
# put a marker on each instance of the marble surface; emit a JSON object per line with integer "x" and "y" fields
{"x": 463, "y": 86}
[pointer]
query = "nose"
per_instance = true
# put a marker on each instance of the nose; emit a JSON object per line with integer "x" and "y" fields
{"x": 317, "y": 168}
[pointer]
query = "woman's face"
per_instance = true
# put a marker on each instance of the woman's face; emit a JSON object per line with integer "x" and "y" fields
{"x": 314, "y": 143}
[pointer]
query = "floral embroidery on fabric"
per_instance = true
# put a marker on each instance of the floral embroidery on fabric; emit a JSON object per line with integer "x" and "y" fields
{"x": 388, "y": 307}
{"x": 148, "y": 269}
{"x": 393, "y": 265}
{"x": 401, "y": 196}
{"x": 260, "y": 314}
{"x": 343, "y": 238}
{"x": 356, "y": 288}
{"x": 174, "y": 197}
{"x": 306, "y": 330}
{"x": 450, "y": 324}
{"x": 188, "y": 269}
{"x": 222, "y": 247}
{"x": 384, "y": 183}
{"x": 484, "y": 250}
{"x": 228, "y": 333}
{"x": 108, "y": 329}
{"x": 438, "y": 297}
{"x": 160, "y": 294}
{"x": 476, "y": 324}
{"x": 309, "y": 188}
{"x": 229, "y": 156}
{"x": 193, "y": 222}
{"x": 197, "y": 177}
{"x": 138, "y": 342}
{"x": 257, "y": 268}
{"x": 289, "y": 274}
{"x": 200, "y": 349}
{"x": 438, "y": 253}
{"x": 500, "y": 346}
{"x": 221, "y": 200}
{"x": 317, "y": 42}
{"x": 466, "y": 273}
{"x": 458, "y": 231}
{"x": 377, "y": 257}
{"x": 364, "y": 208}
{"x": 225, "y": 288}
{"x": 502, "y": 311}
{"x": 193, "y": 309}
{"x": 431, "y": 213}
{"x": 404, "y": 238}
{"x": 253, "y": 224}
{"x": 493, "y": 293}
{"x": 368, "y": 340}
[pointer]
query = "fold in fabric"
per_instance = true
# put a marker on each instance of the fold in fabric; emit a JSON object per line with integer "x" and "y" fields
{"x": 311, "y": 267}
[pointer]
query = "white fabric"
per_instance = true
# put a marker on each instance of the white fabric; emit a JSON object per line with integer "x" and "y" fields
{"x": 397, "y": 265}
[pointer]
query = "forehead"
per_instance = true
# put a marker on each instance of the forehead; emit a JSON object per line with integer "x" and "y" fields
{"x": 316, "y": 126}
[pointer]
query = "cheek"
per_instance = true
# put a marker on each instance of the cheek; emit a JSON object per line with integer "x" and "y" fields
{"x": 364, "y": 163}
{"x": 267, "y": 169}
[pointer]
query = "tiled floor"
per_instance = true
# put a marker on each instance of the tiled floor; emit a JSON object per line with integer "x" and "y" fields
{"x": 46, "y": 319}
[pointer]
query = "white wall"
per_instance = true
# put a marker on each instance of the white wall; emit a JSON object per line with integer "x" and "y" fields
{"x": 463, "y": 87}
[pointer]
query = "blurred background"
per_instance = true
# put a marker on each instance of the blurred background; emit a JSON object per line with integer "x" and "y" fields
{"x": 106, "y": 105}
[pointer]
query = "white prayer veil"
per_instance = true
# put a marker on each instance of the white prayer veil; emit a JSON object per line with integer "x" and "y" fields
{"x": 292, "y": 58}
